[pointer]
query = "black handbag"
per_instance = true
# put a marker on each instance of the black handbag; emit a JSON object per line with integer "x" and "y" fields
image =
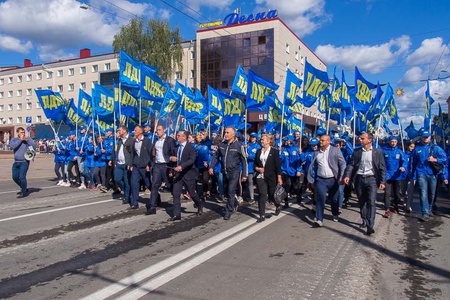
{"x": 280, "y": 194}
{"x": 434, "y": 165}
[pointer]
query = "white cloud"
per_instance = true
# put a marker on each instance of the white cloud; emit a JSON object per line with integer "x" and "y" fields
{"x": 412, "y": 76}
{"x": 429, "y": 52}
{"x": 8, "y": 43}
{"x": 302, "y": 16}
{"x": 372, "y": 59}
{"x": 196, "y": 4}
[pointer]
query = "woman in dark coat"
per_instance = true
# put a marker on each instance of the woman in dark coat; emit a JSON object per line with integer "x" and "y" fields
{"x": 268, "y": 174}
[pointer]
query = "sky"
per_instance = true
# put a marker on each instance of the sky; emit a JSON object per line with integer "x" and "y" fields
{"x": 401, "y": 42}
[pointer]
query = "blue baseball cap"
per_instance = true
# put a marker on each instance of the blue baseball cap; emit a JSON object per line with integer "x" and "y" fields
{"x": 254, "y": 134}
{"x": 109, "y": 129}
{"x": 321, "y": 131}
{"x": 314, "y": 141}
{"x": 393, "y": 138}
{"x": 425, "y": 133}
{"x": 72, "y": 132}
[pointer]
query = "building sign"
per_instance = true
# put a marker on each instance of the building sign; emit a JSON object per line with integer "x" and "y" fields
{"x": 235, "y": 18}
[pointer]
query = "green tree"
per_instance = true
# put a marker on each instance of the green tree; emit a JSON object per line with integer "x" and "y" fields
{"x": 152, "y": 43}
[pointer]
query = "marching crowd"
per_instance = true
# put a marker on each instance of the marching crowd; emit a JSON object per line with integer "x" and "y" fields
{"x": 229, "y": 168}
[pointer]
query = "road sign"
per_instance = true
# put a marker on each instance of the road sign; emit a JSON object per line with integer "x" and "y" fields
{"x": 29, "y": 128}
{"x": 28, "y": 120}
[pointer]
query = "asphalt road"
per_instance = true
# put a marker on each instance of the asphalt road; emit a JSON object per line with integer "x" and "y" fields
{"x": 62, "y": 243}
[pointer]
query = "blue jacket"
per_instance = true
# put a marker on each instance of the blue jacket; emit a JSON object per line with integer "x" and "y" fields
{"x": 409, "y": 175}
{"x": 99, "y": 157}
{"x": 291, "y": 162}
{"x": 395, "y": 159}
{"x": 73, "y": 145}
{"x": 59, "y": 152}
{"x": 251, "y": 152}
{"x": 306, "y": 158}
{"x": 109, "y": 148}
{"x": 203, "y": 154}
{"x": 420, "y": 159}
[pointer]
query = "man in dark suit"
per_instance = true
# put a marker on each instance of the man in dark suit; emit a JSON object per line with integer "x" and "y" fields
{"x": 325, "y": 173}
{"x": 161, "y": 151}
{"x": 185, "y": 174}
{"x": 123, "y": 162}
{"x": 367, "y": 169}
{"x": 140, "y": 156}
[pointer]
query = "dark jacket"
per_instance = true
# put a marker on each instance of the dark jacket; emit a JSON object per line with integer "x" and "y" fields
{"x": 233, "y": 157}
{"x": 127, "y": 150}
{"x": 378, "y": 165}
{"x": 142, "y": 160}
{"x": 187, "y": 163}
{"x": 272, "y": 167}
{"x": 169, "y": 149}
{"x": 336, "y": 162}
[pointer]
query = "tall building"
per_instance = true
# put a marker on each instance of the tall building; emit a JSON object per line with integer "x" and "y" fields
{"x": 261, "y": 42}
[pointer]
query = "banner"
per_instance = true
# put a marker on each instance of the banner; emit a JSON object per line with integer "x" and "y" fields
{"x": 315, "y": 84}
{"x": 52, "y": 104}
{"x": 170, "y": 105}
{"x": 257, "y": 89}
{"x": 73, "y": 119}
{"x": 292, "y": 89}
{"x": 216, "y": 100}
{"x": 127, "y": 106}
{"x": 240, "y": 82}
{"x": 391, "y": 107}
{"x": 363, "y": 97}
{"x": 152, "y": 86}
{"x": 129, "y": 71}
{"x": 347, "y": 93}
{"x": 84, "y": 106}
{"x": 102, "y": 101}
{"x": 274, "y": 110}
{"x": 234, "y": 111}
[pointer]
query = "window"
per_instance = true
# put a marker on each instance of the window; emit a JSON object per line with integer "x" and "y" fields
{"x": 49, "y": 74}
{"x": 10, "y": 80}
{"x": 287, "y": 48}
{"x": 82, "y": 70}
{"x": 19, "y": 93}
{"x": 246, "y": 42}
{"x": 192, "y": 54}
{"x": 60, "y": 73}
{"x": 2, "y": 81}
{"x": 38, "y": 105}
{"x": 261, "y": 40}
{"x": 71, "y": 87}
{"x": 28, "y": 92}
{"x": 10, "y": 94}
{"x": 224, "y": 84}
{"x": 94, "y": 68}
{"x": 10, "y": 107}
{"x": 301, "y": 60}
{"x": 60, "y": 88}
{"x": 29, "y": 77}
{"x": 178, "y": 76}
{"x": 19, "y": 106}
{"x": 38, "y": 88}
{"x": 192, "y": 74}
{"x": 49, "y": 88}
{"x": 107, "y": 66}
{"x": 287, "y": 65}
{"x": 19, "y": 79}
{"x": 38, "y": 76}
{"x": 19, "y": 120}
{"x": 38, "y": 119}
{"x": 296, "y": 55}
{"x": 1, "y": 95}
{"x": 83, "y": 85}
{"x": 71, "y": 72}
{"x": 29, "y": 106}
{"x": 10, "y": 120}
{"x": 1, "y": 107}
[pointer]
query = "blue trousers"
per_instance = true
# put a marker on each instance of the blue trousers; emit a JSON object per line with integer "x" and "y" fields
{"x": 122, "y": 178}
{"x": 427, "y": 188}
{"x": 159, "y": 174}
{"x": 230, "y": 185}
{"x": 136, "y": 175}
{"x": 324, "y": 185}
{"x": 19, "y": 174}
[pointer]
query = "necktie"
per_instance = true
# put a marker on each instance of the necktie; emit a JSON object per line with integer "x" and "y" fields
{"x": 180, "y": 150}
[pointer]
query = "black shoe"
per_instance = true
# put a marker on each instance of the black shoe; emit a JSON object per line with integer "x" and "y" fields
{"x": 363, "y": 224}
{"x": 277, "y": 210}
{"x": 227, "y": 217}
{"x": 134, "y": 207}
{"x": 124, "y": 201}
{"x": 261, "y": 219}
{"x": 370, "y": 230}
{"x": 286, "y": 205}
{"x": 151, "y": 211}
{"x": 200, "y": 211}
{"x": 177, "y": 218}
{"x": 23, "y": 195}
{"x": 116, "y": 192}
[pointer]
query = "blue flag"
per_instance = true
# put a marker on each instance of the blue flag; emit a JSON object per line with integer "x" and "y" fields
{"x": 315, "y": 84}
{"x": 257, "y": 89}
{"x": 52, "y": 104}
{"x": 84, "y": 106}
{"x": 195, "y": 106}
{"x": 234, "y": 111}
{"x": 73, "y": 119}
{"x": 428, "y": 102}
{"x": 102, "y": 101}
{"x": 292, "y": 89}
{"x": 240, "y": 82}
{"x": 274, "y": 113}
{"x": 216, "y": 100}
{"x": 391, "y": 108}
{"x": 363, "y": 97}
{"x": 336, "y": 101}
{"x": 347, "y": 93}
{"x": 129, "y": 71}
{"x": 170, "y": 105}
{"x": 152, "y": 86}
{"x": 378, "y": 105}
{"x": 128, "y": 105}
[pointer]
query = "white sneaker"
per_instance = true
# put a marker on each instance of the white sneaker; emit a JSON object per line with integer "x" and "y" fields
{"x": 239, "y": 199}
{"x": 59, "y": 182}
{"x": 318, "y": 223}
{"x": 82, "y": 187}
{"x": 66, "y": 184}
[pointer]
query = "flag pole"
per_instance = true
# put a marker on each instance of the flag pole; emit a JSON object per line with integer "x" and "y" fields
{"x": 378, "y": 128}
{"x": 354, "y": 129}
{"x": 401, "y": 133}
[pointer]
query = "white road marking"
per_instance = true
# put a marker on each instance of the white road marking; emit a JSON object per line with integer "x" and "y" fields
{"x": 42, "y": 188}
{"x": 55, "y": 210}
{"x": 222, "y": 241}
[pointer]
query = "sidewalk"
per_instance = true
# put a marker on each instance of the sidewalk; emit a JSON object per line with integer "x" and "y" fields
{"x": 41, "y": 167}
